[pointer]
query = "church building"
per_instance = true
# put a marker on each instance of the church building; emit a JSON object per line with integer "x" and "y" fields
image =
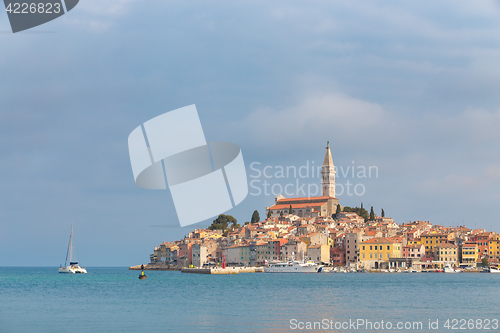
{"x": 325, "y": 205}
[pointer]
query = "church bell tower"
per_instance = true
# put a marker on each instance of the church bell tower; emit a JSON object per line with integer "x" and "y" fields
{"x": 328, "y": 174}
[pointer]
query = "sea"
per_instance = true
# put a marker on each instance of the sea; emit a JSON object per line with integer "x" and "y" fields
{"x": 107, "y": 300}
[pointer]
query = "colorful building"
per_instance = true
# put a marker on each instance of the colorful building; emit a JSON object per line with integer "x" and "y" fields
{"x": 470, "y": 254}
{"x": 415, "y": 251}
{"x": 482, "y": 240}
{"x": 430, "y": 240}
{"x": 448, "y": 253}
{"x": 319, "y": 253}
{"x": 337, "y": 256}
{"x": 376, "y": 252}
{"x": 494, "y": 248}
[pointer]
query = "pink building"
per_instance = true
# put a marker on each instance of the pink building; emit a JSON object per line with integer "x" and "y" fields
{"x": 185, "y": 254}
{"x": 414, "y": 251}
{"x": 337, "y": 256}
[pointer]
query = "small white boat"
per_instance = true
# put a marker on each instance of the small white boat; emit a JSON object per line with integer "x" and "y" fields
{"x": 449, "y": 269}
{"x": 493, "y": 269}
{"x": 73, "y": 267}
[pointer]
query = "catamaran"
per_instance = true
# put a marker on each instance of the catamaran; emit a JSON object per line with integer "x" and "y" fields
{"x": 73, "y": 267}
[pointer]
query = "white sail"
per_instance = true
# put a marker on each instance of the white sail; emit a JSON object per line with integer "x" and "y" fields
{"x": 73, "y": 267}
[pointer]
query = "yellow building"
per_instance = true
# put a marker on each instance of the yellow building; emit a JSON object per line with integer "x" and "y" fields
{"x": 430, "y": 240}
{"x": 376, "y": 252}
{"x": 331, "y": 242}
{"x": 447, "y": 253}
{"x": 314, "y": 238}
{"x": 470, "y": 254}
{"x": 416, "y": 241}
{"x": 494, "y": 248}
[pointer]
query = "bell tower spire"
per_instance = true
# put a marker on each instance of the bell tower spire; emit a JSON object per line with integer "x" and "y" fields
{"x": 328, "y": 174}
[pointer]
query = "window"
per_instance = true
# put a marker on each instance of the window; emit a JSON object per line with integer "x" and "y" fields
{"x": 370, "y": 247}
{"x": 363, "y": 256}
{"x": 375, "y": 247}
{"x": 363, "y": 247}
{"x": 371, "y": 255}
{"x": 376, "y": 255}
{"x": 388, "y": 247}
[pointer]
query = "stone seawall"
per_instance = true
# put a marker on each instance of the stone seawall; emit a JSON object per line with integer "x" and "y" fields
{"x": 227, "y": 270}
{"x": 150, "y": 267}
{"x": 214, "y": 270}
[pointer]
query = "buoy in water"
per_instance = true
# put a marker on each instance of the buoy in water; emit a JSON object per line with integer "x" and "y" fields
{"x": 142, "y": 276}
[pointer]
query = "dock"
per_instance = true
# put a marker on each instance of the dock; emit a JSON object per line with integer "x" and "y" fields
{"x": 195, "y": 270}
{"x": 150, "y": 267}
{"x": 219, "y": 270}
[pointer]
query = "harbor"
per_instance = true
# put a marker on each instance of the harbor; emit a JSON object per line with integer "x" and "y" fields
{"x": 201, "y": 270}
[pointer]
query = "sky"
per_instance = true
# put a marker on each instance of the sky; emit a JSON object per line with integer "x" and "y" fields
{"x": 407, "y": 88}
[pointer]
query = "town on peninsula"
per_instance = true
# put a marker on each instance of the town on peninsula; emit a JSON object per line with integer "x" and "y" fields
{"x": 341, "y": 239}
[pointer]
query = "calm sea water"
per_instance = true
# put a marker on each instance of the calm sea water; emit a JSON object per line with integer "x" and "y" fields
{"x": 115, "y": 300}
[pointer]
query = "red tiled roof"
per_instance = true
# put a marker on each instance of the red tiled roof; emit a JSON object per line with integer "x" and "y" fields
{"x": 297, "y": 206}
{"x": 325, "y": 198}
{"x": 379, "y": 240}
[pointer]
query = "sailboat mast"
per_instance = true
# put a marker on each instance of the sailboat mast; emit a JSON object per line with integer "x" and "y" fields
{"x": 71, "y": 245}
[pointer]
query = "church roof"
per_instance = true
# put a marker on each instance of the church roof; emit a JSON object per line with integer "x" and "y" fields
{"x": 328, "y": 157}
{"x": 297, "y": 206}
{"x": 325, "y": 198}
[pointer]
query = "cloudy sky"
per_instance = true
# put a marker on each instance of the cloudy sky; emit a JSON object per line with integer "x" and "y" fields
{"x": 410, "y": 88}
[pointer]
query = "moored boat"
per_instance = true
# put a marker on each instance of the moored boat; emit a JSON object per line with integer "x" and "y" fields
{"x": 448, "y": 269}
{"x": 293, "y": 266}
{"x": 73, "y": 267}
{"x": 494, "y": 269}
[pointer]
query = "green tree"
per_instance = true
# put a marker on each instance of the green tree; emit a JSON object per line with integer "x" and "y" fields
{"x": 362, "y": 206}
{"x": 383, "y": 213}
{"x": 360, "y": 211}
{"x": 372, "y": 214}
{"x": 222, "y": 222}
{"x": 268, "y": 214}
{"x": 281, "y": 214}
{"x": 339, "y": 210}
{"x": 485, "y": 262}
{"x": 255, "y": 217}
{"x": 247, "y": 223}
{"x": 290, "y": 210}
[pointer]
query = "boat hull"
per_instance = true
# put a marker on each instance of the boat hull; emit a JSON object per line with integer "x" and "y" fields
{"x": 72, "y": 270}
{"x": 293, "y": 268}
